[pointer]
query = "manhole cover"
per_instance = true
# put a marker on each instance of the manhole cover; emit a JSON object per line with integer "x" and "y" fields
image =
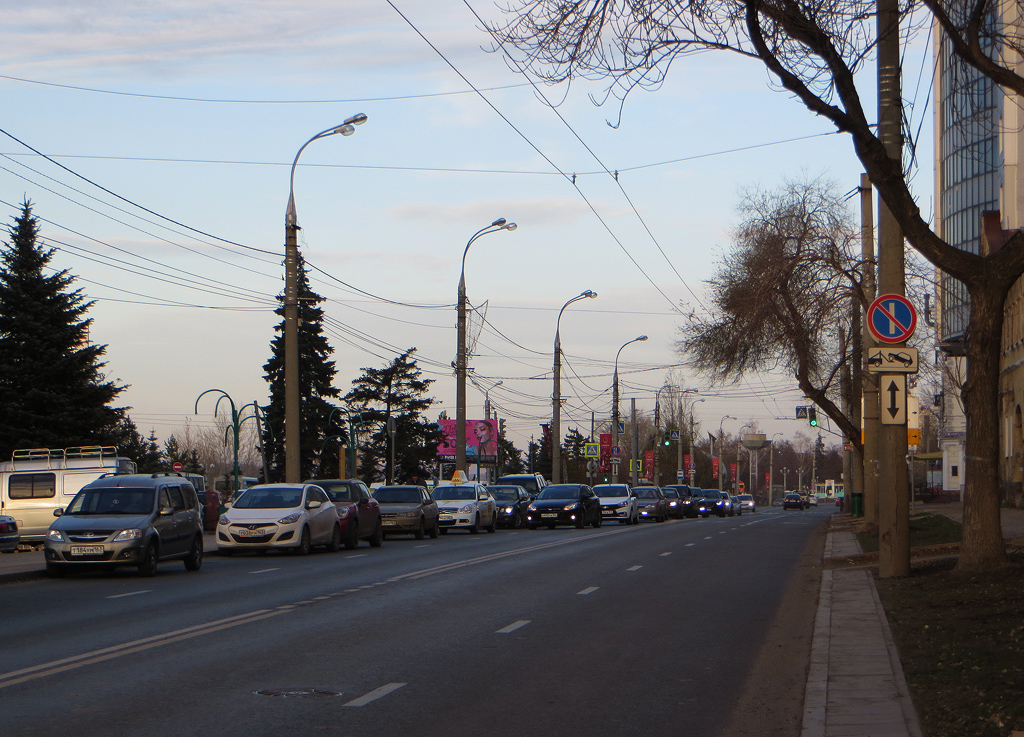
{"x": 294, "y": 693}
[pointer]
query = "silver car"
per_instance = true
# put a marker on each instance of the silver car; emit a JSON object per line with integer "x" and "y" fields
{"x": 618, "y": 502}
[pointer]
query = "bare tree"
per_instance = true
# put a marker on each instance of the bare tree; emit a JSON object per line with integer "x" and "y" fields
{"x": 814, "y": 49}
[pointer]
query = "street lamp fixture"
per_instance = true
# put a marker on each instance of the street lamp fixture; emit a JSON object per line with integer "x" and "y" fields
{"x": 556, "y": 396}
{"x": 615, "y": 404}
{"x": 460, "y": 357}
{"x": 292, "y": 456}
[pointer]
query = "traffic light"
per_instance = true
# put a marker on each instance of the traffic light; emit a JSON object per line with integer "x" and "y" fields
{"x": 812, "y": 416}
{"x": 668, "y": 438}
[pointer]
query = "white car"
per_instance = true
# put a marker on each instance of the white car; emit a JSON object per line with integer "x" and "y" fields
{"x": 275, "y": 516}
{"x": 466, "y": 505}
{"x": 747, "y": 503}
{"x": 618, "y": 502}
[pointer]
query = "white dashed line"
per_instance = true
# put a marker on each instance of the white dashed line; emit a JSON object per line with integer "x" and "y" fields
{"x": 708, "y": 537}
{"x": 690, "y": 545}
{"x": 634, "y": 568}
{"x": 375, "y": 694}
{"x": 665, "y": 555}
{"x": 512, "y": 627}
{"x": 588, "y": 590}
{"x": 723, "y": 532}
{"x": 133, "y": 593}
{"x": 421, "y": 546}
{"x": 265, "y": 570}
{"x": 360, "y": 555}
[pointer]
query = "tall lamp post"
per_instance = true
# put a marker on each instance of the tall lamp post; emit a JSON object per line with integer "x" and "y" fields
{"x": 494, "y": 433}
{"x": 556, "y": 396}
{"x": 292, "y": 457}
{"x": 615, "y": 407}
{"x": 721, "y": 458}
{"x": 460, "y": 356}
{"x": 771, "y": 467}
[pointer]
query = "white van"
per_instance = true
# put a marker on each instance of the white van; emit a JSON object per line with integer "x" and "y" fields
{"x": 39, "y": 480}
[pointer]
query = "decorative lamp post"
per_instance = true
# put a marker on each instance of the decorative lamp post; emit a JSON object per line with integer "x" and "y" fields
{"x": 556, "y": 396}
{"x": 615, "y": 406}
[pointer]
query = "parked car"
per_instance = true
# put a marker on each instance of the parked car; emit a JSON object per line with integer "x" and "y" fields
{"x": 358, "y": 512}
{"x": 293, "y": 517}
{"x": 9, "y": 535}
{"x": 689, "y": 499}
{"x": 534, "y": 483}
{"x": 618, "y": 502}
{"x": 466, "y": 505}
{"x": 127, "y": 520}
{"x": 565, "y": 504}
{"x": 652, "y": 503}
{"x": 409, "y": 510}
{"x": 792, "y": 501}
{"x": 512, "y": 503}
{"x": 747, "y": 503}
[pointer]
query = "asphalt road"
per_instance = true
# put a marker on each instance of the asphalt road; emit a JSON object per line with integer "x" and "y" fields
{"x": 647, "y": 630}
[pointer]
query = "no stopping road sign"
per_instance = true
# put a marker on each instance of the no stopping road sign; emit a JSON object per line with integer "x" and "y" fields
{"x": 892, "y": 318}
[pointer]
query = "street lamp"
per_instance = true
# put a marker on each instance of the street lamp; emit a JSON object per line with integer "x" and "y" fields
{"x": 721, "y": 458}
{"x": 556, "y": 396}
{"x": 292, "y": 462}
{"x": 460, "y": 356}
{"x": 494, "y": 431}
{"x": 771, "y": 467}
{"x": 615, "y": 406}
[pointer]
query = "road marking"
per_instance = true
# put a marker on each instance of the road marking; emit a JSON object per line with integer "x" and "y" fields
{"x": 690, "y": 545}
{"x": 708, "y": 537}
{"x": 133, "y": 593}
{"x": 665, "y": 555}
{"x": 358, "y": 555}
{"x": 588, "y": 590}
{"x": 512, "y": 627}
{"x": 375, "y": 694}
{"x": 421, "y": 546}
{"x": 265, "y": 570}
{"x": 634, "y": 568}
{"x": 723, "y": 532}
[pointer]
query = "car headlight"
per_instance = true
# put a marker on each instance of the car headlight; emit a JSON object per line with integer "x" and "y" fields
{"x": 623, "y": 505}
{"x": 466, "y": 509}
{"x": 509, "y": 510}
{"x": 343, "y": 512}
{"x": 128, "y": 535}
{"x": 408, "y": 514}
{"x": 570, "y": 507}
{"x": 291, "y": 519}
{"x": 673, "y": 504}
{"x": 532, "y": 508}
{"x": 224, "y": 521}
{"x": 56, "y": 536}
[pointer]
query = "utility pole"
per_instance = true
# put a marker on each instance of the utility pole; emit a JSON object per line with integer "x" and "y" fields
{"x": 893, "y": 496}
{"x": 636, "y": 440}
{"x": 871, "y": 403}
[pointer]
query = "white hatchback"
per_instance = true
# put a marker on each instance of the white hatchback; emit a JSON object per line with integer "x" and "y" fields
{"x": 270, "y": 516}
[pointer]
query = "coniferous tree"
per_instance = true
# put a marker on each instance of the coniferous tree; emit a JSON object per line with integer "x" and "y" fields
{"x": 52, "y": 390}
{"x": 395, "y": 391}
{"x": 144, "y": 452}
{"x": 510, "y": 458}
{"x": 316, "y": 377}
{"x": 187, "y": 457}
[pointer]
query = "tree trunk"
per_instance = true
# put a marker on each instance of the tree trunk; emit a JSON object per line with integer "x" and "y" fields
{"x": 982, "y": 547}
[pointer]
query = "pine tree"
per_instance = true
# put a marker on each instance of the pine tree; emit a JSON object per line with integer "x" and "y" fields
{"x": 187, "y": 457}
{"x": 52, "y": 389}
{"x": 395, "y": 391}
{"x": 316, "y": 377}
{"x": 509, "y": 456}
{"x": 145, "y": 453}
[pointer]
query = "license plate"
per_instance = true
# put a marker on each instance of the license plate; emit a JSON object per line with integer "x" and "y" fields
{"x": 389, "y": 522}
{"x": 555, "y": 514}
{"x": 87, "y": 550}
{"x": 251, "y": 533}
{"x": 447, "y": 517}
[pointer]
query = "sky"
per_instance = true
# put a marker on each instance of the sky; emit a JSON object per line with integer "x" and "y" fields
{"x": 176, "y": 122}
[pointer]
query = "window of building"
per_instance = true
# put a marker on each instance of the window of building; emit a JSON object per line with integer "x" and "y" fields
{"x": 954, "y": 471}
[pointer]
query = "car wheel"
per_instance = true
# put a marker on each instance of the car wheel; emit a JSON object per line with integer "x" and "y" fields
{"x": 597, "y": 520}
{"x": 739, "y": 513}
{"x": 147, "y": 566}
{"x": 377, "y": 538}
{"x": 435, "y": 530}
{"x": 421, "y": 531}
{"x": 474, "y": 529}
{"x": 335, "y": 544}
{"x": 305, "y": 543}
{"x": 494, "y": 523}
{"x": 194, "y": 561}
{"x": 519, "y": 523}
{"x": 352, "y": 539}
{"x": 54, "y": 571}
{"x": 581, "y": 521}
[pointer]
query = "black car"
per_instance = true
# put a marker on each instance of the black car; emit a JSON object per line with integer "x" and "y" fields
{"x": 564, "y": 504}
{"x": 688, "y": 499}
{"x": 715, "y": 503}
{"x": 652, "y": 502}
{"x": 512, "y": 503}
{"x": 793, "y": 501}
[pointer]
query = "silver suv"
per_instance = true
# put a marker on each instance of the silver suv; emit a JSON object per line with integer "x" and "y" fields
{"x": 127, "y": 520}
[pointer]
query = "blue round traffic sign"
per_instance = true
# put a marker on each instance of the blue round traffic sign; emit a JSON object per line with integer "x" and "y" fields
{"x": 892, "y": 318}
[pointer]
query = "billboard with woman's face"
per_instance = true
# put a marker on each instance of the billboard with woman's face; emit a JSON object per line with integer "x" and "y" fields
{"x": 481, "y": 440}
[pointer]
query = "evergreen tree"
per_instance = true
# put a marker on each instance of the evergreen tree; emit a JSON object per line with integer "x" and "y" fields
{"x": 573, "y": 457}
{"x": 395, "y": 391}
{"x": 187, "y": 457}
{"x": 145, "y": 453}
{"x": 316, "y": 377}
{"x": 509, "y": 456}
{"x": 52, "y": 390}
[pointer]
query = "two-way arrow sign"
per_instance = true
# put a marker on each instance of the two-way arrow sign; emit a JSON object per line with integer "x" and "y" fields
{"x": 893, "y": 388}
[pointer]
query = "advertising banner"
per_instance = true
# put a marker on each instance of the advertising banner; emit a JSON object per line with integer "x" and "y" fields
{"x": 648, "y": 464}
{"x": 606, "y": 451}
{"x": 767, "y": 480}
{"x": 732, "y": 471}
{"x": 714, "y": 468}
{"x": 481, "y": 441}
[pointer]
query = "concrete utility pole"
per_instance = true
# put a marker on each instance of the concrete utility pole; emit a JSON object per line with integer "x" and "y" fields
{"x": 893, "y": 496}
{"x": 870, "y": 380}
{"x": 615, "y": 407}
{"x": 556, "y": 395}
{"x": 636, "y": 441}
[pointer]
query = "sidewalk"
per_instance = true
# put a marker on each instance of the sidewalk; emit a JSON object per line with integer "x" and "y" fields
{"x": 855, "y": 684}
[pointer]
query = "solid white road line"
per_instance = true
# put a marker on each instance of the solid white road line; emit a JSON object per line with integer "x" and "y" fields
{"x": 359, "y": 555}
{"x": 588, "y": 590}
{"x": 375, "y": 694}
{"x": 634, "y": 568}
{"x": 133, "y": 593}
{"x": 265, "y": 570}
{"x": 512, "y": 627}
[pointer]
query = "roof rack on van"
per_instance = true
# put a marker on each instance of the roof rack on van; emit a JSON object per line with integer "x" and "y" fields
{"x": 90, "y": 456}
{"x": 157, "y": 474}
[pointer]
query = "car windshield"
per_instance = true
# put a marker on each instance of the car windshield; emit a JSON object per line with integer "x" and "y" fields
{"x": 454, "y": 492}
{"x": 744, "y": 497}
{"x": 337, "y": 492}
{"x": 609, "y": 491}
{"x": 504, "y": 493}
{"x": 793, "y": 497}
{"x": 670, "y": 493}
{"x": 397, "y": 495}
{"x": 270, "y": 497}
{"x": 112, "y": 501}
{"x": 560, "y": 491}
{"x": 646, "y": 494}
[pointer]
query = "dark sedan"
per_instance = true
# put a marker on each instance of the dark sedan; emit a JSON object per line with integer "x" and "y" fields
{"x": 564, "y": 504}
{"x": 714, "y": 501}
{"x": 652, "y": 502}
{"x": 689, "y": 499}
{"x": 512, "y": 503}
{"x": 793, "y": 501}
{"x": 407, "y": 509}
{"x": 675, "y": 505}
